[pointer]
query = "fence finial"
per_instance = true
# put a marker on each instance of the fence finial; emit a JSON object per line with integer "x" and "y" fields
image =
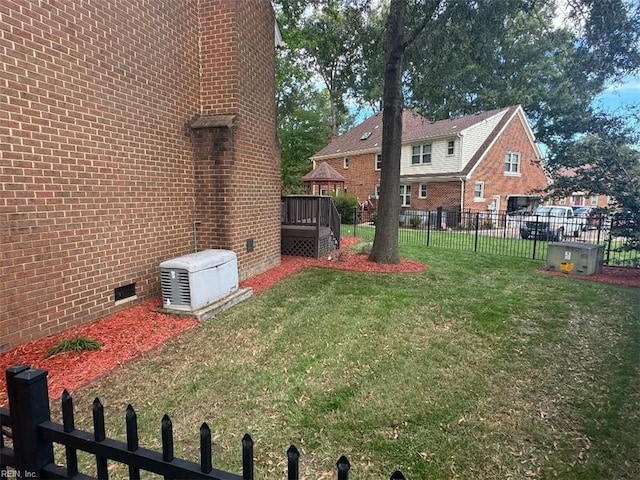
{"x": 206, "y": 460}
{"x": 343, "y": 468}
{"x": 293, "y": 466}
{"x": 166, "y": 429}
{"x": 247, "y": 457}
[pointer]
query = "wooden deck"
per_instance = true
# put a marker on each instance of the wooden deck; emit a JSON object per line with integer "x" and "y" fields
{"x": 310, "y": 226}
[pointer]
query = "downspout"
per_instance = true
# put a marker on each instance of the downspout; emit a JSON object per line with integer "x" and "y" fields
{"x": 462, "y": 182}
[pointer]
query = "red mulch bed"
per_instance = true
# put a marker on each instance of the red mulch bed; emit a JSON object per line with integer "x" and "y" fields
{"x": 629, "y": 277}
{"x": 124, "y": 335}
{"x": 132, "y": 332}
{"x": 343, "y": 260}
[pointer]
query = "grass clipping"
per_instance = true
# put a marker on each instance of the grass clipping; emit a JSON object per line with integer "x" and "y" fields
{"x": 75, "y": 344}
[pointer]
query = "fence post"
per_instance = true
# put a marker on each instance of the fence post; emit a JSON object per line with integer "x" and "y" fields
{"x": 428, "y": 226}
{"x": 609, "y": 245}
{"x": 355, "y": 220}
{"x": 535, "y": 238}
{"x": 475, "y": 242}
{"x": 29, "y": 407}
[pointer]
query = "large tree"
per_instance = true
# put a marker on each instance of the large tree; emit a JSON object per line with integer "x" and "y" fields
{"x": 605, "y": 161}
{"x": 385, "y": 243}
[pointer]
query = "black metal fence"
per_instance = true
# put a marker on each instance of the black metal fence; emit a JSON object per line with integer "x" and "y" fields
{"x": 28, "y": 436}
{"x": 497, "y": 233}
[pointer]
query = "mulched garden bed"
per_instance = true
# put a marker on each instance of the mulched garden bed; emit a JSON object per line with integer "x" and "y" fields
{"x": 132, "y": 332}
{"x": 629, "y": 277}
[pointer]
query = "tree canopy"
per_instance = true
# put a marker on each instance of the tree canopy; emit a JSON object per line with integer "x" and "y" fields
{"x": 605, "y": 161}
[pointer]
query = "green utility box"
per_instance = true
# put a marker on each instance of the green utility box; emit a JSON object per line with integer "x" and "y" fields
{"x": 575, "y": 257}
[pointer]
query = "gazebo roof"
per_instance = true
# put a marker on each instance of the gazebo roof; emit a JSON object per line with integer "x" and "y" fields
{"x": 324, "y": 173}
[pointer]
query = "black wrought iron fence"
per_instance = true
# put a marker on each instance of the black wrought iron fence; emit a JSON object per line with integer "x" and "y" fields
{"x": 28, "y": 436}
{"x": 497, "y": 233}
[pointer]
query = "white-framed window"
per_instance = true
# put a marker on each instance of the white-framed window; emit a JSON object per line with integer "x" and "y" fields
{"x": 451, "y": 147}
{"x": 594, "y": 200}
{"x": 422, "y": 190}
{"x": 345, "y": 162}
{"x": 376, "y": 191}
{"x": 421, "y": 154}
{"x": 512, "y": 163}
{"x": 563, "y": 201}
{"x": 478, "y": 191}
{"x": 378, "y": 165}
{"x": 323, "y": 191}
{"x": 405, "y": 195}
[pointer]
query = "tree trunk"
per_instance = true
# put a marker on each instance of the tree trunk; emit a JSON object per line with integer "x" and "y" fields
{"x": 385, "y": 244}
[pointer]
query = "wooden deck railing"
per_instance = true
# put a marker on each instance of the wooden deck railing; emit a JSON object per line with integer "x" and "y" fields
{"x": 316, "y": 212}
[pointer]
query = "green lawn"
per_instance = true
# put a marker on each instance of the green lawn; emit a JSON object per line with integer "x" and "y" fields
{"x": 482, "y": 367}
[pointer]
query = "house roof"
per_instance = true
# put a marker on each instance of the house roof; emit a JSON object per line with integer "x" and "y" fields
{"x": 324, "y": 173}
{"x": 367, "y": 136}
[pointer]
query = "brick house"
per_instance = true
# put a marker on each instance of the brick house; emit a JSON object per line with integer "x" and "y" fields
{"x": 485, "y": 161}
{"x": 128, "y": 130}
{"x": 581, "y": 198}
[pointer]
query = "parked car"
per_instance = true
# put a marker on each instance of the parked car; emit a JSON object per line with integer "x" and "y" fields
{"x": 551, "y": 223}
{"x": 592, "y": 218}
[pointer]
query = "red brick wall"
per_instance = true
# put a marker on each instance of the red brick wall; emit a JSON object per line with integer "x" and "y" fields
{"x": 240, "y": 190}
{"x": 97, "y": 170}
{"x": 439, "y": 194}
{"x": 361, "y": 176}
{"x": 491, "y": 169}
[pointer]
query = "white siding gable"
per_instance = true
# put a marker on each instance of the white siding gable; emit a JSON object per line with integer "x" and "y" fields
{"x": 440, "y": 161}
{"x": 474, "y": 136}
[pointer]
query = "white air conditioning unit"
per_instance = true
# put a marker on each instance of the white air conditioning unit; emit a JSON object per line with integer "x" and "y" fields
{"x": 194, "y": 281}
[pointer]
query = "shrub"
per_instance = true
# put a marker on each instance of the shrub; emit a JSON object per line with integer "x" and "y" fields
{"x": 415, "y": 221}
{"x": 365, "y": 248}
{"x": 487, "y": 224}
{"x": 346, "y": 204}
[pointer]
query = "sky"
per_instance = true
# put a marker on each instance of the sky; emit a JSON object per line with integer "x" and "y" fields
{"x": 620, "y": 95}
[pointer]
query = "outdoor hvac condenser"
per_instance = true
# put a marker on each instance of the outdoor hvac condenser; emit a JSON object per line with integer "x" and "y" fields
{"x": 574, "y": 257}
{"x": 196, "y": 280}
